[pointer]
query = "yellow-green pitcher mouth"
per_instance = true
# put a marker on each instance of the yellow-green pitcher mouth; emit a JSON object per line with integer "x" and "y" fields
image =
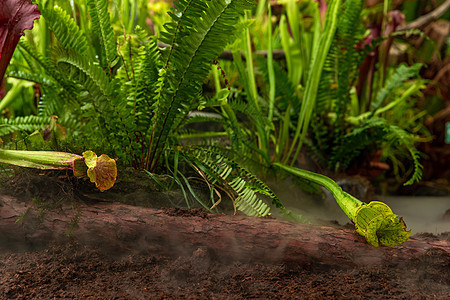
{"x": 379, "y": 225}
{"x": 374, "y": 221}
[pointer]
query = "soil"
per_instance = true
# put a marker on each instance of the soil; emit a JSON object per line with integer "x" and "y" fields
{"x": 80, "y": 271}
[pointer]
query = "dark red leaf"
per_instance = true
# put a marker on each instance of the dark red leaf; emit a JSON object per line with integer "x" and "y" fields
{"x": 15, "y": 17}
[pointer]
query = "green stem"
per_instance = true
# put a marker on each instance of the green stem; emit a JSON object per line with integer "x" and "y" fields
{"x": 270, "y": 66}
{"x": 383, "y": 50}
{"x": 12, "y": 94}
{"x": 410, "y": 91}
{"x": 260, "y": 9}
{"x": 249, "y": 61}
{"x": 347, "y": 202}
{"x": 49, "y": 160}
{"x": 202, "y": 135}
{"x": 216, "y": 79}
{"x": 312, "y": 84}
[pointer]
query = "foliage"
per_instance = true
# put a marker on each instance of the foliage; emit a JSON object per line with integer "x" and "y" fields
{"x": 131, "y": 97}
{"x": 332, "y": 134}
{"x": 327, "y": 97}
{"x": 100, "y": 71}
{"x": 218, "y": 169}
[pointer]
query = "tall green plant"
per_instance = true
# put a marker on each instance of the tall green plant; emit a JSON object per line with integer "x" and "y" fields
{"x": 133, "y": 97}
{"x": 321, "y": 47}
{"x": 188, "y": 61}
{"x": 287, "y": 104}
{"x": 340, "y": 134}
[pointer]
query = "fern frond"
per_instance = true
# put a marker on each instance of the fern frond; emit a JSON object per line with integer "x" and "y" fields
{"x": 66, "y": 30}
{"x": 27, "y": 123}
{"x": 407, "y": 140}
{"x": 42, "y": 79}
{"x": 376, "y": 130}
{"x": 401, "y": 74}
{"x": 114, "y": 118}
{"x": 354, "y": 142}
{"x": 347, "y": 37}
{"x": 240, "y": 140}
{"x": 146, "y": 65}
{"x": 200, "y": 117}
{"x": 67, "y": 87}
{"x": 50, "y": 103}
{"x": 249, "y": 110}
{"x": 285, "y": 89}
{"x": 341, "y": 63}
{"x": 245, "y": 185}
{"x": 199, "y": 32}
{"x": 339, "y": 74}
{"x": 101, "y": 23}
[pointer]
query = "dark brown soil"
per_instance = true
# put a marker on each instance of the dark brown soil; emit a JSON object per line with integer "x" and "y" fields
{"x": 80, "y": 272}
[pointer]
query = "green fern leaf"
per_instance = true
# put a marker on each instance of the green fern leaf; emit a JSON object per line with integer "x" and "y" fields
{"x": 27, "y": 123}
{"x": 65, "y": 30}
{"x": 67, "y": 87}
{"x": 101, "y": 23}
{"x": 42, "y": 79}
{"x": 224, "y": 171}
{"x": 110, "y": 110}
{"x": 401, "y": 74}
{"x": 199, "y": 32}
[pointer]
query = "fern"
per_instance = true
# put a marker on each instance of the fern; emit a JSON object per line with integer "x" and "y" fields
{"x": 110, "y": 109}
{"x": 42, "y": 79}
{"x": 146, "y": 66}
{"x": 376, "y": 130}
{"x": 347, "y": 37}
{"x": 338, "y": 143}
{"x": 104, "y": 34}
{"x": 222, "y": 170}
{"x": 239, "y": 139}
{"x": 50, "y": 103}
{"x": 67, "y": 87}
{"x": 401, "y": 74}
{"x": 66, "y": 30}
{"x": 400, "y": 136}
{"x": 189, "y": 60}
{"x": 285, "y": 89}
{"x": 338, "y": 76}
{"x": 28, "y": 123}
{"x": 353, "y": 143}
{"x": 201, "y": 117}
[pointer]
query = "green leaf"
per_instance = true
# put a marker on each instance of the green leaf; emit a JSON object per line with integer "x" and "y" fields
{"x": 401, "y": 74}
{"x": 199, "y": 32}
{"x": 101, "y": 23}
{"x": 65, "y": 30}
